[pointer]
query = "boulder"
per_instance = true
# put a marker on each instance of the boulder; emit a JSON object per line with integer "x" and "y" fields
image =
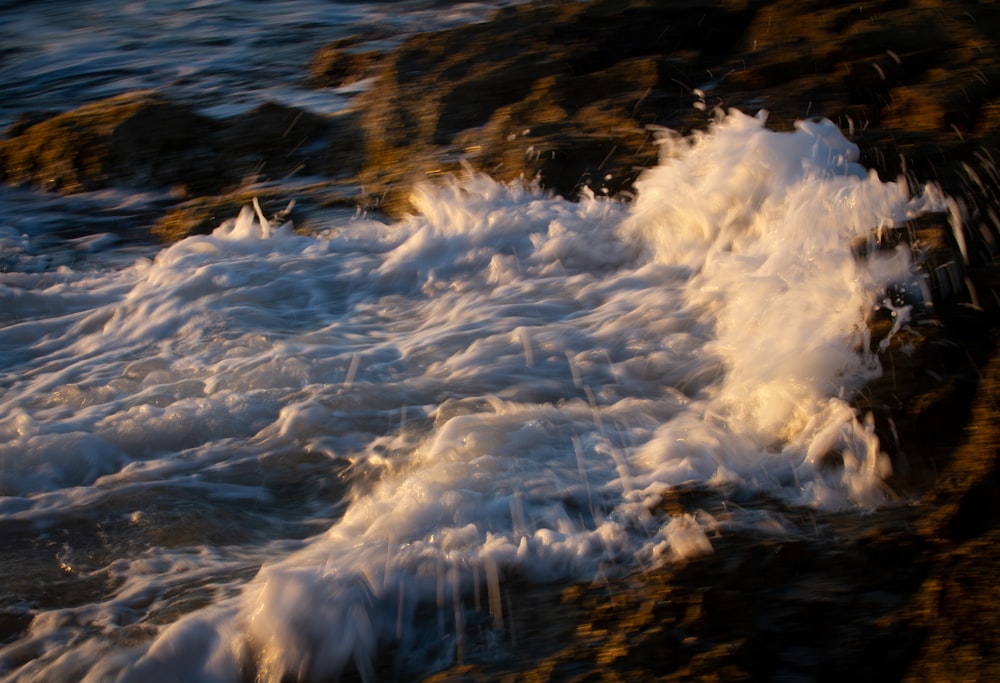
{"x": 136, "y": 140}
{"x": 273, "y": 141}
{"x": 143, "y": 140}
{"x": 566, "y": 93}
{"x": 560, "y": 93}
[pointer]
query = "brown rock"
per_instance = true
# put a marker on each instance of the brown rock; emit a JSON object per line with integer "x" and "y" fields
{"x": 202, "y": 215}
{"x": 142, "y": 140}
{"x": 903, "y": 593}
{"x": 558, "y": 92}
{"x": 132, "y": 140}
{"x": 343, "y": 62}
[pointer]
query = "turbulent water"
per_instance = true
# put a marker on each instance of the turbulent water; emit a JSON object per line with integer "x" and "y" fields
{"x": 262, "y": 453}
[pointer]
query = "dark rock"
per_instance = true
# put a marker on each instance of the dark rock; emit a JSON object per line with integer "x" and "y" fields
{"x": 135, "y": 140}
{"x": 202, "y": 215}
{"x": 562, "y": 93}
{"x": 25, "y": 121}
{"x": 567, "y": 93}
{"x": 142, "y": 140}
{"x": 273, "y": 141}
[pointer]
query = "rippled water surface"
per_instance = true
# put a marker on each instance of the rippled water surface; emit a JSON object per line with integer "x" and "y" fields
{"x": 225, "y": 55}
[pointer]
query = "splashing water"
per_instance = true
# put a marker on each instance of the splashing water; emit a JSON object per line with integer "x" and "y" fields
{"x": 301, "y": 450}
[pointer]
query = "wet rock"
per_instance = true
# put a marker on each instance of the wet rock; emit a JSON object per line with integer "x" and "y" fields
{"x": 142, "y": 140}
{"x": 560, "y": 93}
{"x": 202, "y": 215}
{"x": 566, "y": 93}
{"x": 343, "y": 62}
{"x": 915, "y": 84}
{"x": 135, "y": 140}
{"x": 956, "y": 606}
{"x": 567, "y": 142}
{"x": 274, "y": 141}
{"x": 25, "y": 121}
{"x": 570, "y": 94}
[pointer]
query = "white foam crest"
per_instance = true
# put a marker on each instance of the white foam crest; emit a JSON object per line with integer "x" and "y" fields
{"x": 775, "y": 413}
{"x": 773, "y": 278}
{"x": 514, "y": 380}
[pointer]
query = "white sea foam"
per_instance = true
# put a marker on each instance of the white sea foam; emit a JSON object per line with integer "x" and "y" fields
{"x": 505, "y": 382}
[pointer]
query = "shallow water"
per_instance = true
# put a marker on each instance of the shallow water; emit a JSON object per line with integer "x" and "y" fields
{"x": 259, "y": 451}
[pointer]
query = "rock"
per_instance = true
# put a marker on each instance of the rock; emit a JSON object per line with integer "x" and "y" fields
{"x": 567, "y": 142}
{"x": 916, "y": 84}
{"x": 343, "y": 62}
{"x": 562, "y": 93}
{"x": 273, "y": 141}
{"x": 907, "y": 594}
{"x": 25, "y": 121}
{"x": 142, "y": 140}
{"x": 135, "y": 140}
{"x": 202, "y": 215}
{"x": 569, "y": 94}
{"x": 955, "y": 606}
{"x": 566, "y": 93}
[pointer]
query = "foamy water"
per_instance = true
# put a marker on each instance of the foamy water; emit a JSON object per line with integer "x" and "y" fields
{"x": 289, "y": 455}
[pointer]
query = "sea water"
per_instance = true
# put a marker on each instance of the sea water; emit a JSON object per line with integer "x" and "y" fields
{"x": 284, "y": 456}
{"x": 224, "y": 55}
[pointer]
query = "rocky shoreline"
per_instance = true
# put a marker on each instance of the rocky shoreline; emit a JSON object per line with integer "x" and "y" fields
{"x": 571, "y": 94}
